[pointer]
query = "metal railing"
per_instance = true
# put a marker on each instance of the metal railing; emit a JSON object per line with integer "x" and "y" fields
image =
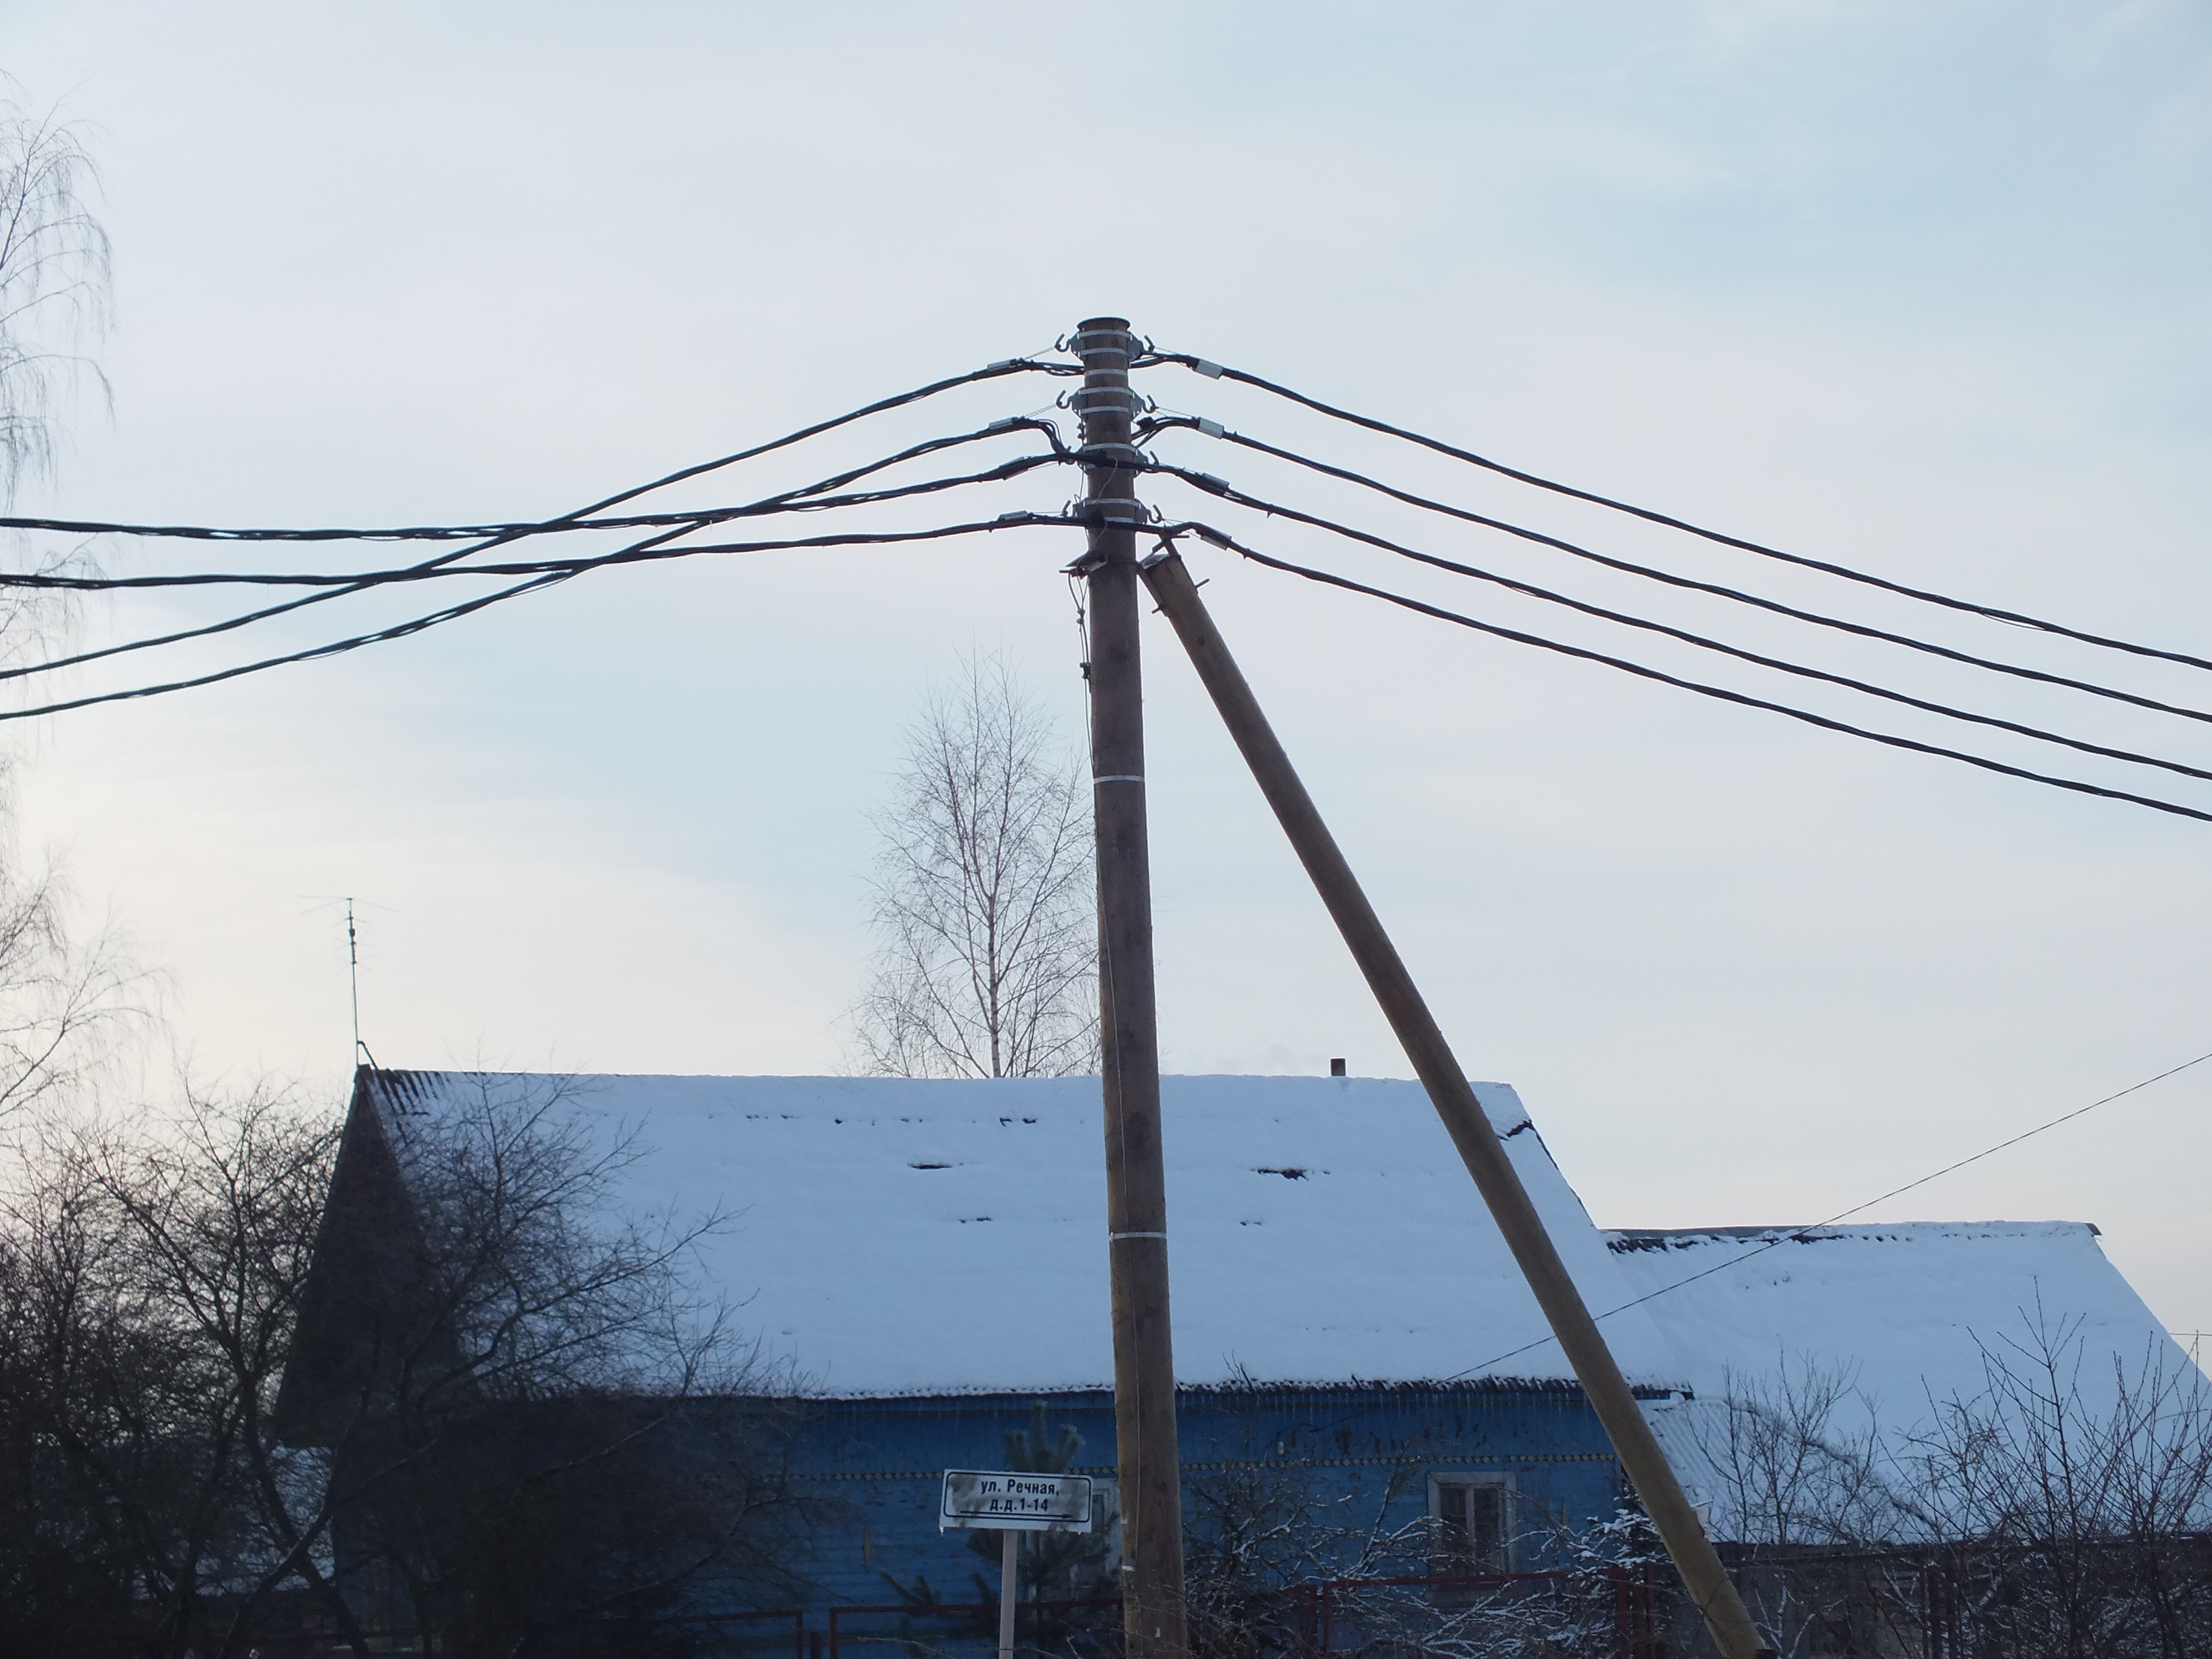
{"x": 1307, "y": 1620}
{"x": 1310, "y": 1620}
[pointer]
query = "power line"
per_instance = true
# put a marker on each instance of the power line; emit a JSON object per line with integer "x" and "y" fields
{"x": 804, "y": 498}
{"x": 1216, "y": 371}
{"x": 1717, "y": 589}
{"x": 1803, "y": 1235}
{"x": 555, "y": 575}
{"x": 361, "y": 581}
{"x": 1230, "y": 493}
{"x": 989, "y": 372}
{"x": 681, "y": 523}
{"x": 1221, "y": 539}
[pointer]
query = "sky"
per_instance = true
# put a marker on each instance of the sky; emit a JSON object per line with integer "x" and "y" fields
{"x": 1918, "y": 289}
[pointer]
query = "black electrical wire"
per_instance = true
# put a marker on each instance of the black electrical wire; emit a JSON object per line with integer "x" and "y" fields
{"x": 991, "y": 371}
{"x": 1673, "y": 580}
{"x": 1222, "y": 539}
{"x": 2020, "y": 619}
{"x": 683, "y": 525}
{"x": 813, "y": 498}
{"x": 1229, "y": 493}
{"x": 361, "y": 581}
{"x": 581, "y": 519}
{"x": 551, "y": 578}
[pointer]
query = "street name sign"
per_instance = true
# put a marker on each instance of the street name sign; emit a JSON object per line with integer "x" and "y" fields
{"x": 1008, "y": 1500}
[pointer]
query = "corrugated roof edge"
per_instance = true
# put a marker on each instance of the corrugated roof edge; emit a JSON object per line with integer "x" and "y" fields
{"x": 407, "y": 1091}
{"x": 1622, "y": 1239}
{"x": 1445, "y": 1387}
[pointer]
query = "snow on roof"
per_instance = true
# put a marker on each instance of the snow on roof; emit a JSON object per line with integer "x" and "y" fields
{"x": 1906, "y": 1305}
{"x": 1902, "y": 1312}
{"x": 896, "y": 1236}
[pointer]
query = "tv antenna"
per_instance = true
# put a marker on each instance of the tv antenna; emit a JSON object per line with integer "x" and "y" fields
{"x": 352, "y": 979}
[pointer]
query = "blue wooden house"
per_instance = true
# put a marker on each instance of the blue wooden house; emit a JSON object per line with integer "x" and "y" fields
{"x": 924, "y": 1265}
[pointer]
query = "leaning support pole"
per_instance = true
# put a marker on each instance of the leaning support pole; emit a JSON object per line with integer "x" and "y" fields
{"x": 1128, "y": 1030}
{"x": 1603, "y": 1385}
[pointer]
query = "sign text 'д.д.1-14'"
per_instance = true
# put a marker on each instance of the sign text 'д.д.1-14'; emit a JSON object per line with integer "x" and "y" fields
{"x": 1011, "y": 1500}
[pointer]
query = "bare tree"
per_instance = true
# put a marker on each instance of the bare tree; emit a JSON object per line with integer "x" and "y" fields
{"x": 984, "y": 905}
{"x": 2075, "y": 1528}
{"x": 527, "y": 1417}
{"x": 2034, "y": 1517}
{"x": 61, "y": 998}
{"x": 1788, "y": 1472}
{"x": 148, "y": 1285}
{"x": 65, "y": 1000}
{"x": 53, "y": 281}
{"x": 516, "y": 1414}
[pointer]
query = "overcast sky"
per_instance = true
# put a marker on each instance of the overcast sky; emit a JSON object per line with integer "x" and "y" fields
{"x": 1918, "y": 287}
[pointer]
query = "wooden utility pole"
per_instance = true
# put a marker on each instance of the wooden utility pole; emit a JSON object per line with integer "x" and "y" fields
{"x": 1479, "y": 1148}
{"x": 1128, "y": 1033}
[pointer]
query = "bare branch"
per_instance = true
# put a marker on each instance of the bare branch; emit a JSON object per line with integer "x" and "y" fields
{"x": 983, "y": 900}
{"x": 54, "y": 288}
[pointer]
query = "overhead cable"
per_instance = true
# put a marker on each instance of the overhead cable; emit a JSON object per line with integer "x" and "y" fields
{"x": 551, "y": 577}
{"x": 1221, "y": 539}
{"x": 361, "y": 581}
{"x": 1673, "y": 580}
{"x": 681, "y": 525}
{"x": 989, "y": 372}
{"x": 580, "y": 519}
{"x": 805, "y": 498}
{"x": 1216, "y": 371}
{"x": 1230, "y": 493}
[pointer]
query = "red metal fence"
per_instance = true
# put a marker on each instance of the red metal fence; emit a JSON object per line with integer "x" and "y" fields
{"x": 1337, "y": 1616}
{"x": 1324, "y": 1617}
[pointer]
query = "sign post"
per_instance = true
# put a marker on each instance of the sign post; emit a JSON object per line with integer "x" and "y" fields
{"x": 1013, "y": 1502}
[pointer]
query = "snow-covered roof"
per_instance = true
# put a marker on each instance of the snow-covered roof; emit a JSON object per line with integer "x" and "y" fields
{"x": 1901, "y": 1315}
{"x": 1906, "y": 1306}
{"x": 895, "y": 1235}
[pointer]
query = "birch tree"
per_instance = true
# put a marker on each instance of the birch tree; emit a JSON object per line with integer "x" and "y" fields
{"x": 984, "y": 906}
{"x": 61, "y": 996}
{"x": 54, "y": 289}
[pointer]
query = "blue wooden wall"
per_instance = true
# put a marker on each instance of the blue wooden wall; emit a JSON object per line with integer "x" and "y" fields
{"x": 874, "y": 1465}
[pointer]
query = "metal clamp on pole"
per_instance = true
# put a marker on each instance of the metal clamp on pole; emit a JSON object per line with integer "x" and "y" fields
{"x": 1479, "y": 1148}
{"x": 1127, "y": 456}
{"x": 1086, "y": 341}
{"x": 1091, "y": 399}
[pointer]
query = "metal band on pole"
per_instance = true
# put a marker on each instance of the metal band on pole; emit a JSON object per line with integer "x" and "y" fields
{"x": 1603, "y": 1385}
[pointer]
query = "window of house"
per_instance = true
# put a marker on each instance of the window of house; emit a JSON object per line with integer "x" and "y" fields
{"x": 1472, "y": 1516}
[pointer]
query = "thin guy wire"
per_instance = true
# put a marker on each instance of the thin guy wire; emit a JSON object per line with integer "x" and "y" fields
{"x": 1800, "y": 1234}
{"x": 1994, "y": 613}
{"x": 1230, "y": 493}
